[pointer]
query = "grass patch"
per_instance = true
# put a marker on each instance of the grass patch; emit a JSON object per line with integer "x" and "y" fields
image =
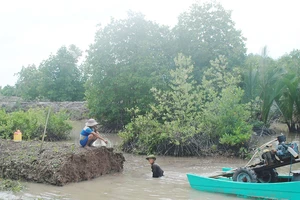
{"x": 10, "y": 185}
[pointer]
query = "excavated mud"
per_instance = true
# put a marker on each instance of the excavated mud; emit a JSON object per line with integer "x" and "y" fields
{"x": 57, "y": 163}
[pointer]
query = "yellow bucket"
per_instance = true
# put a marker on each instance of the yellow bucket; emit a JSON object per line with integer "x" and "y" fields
{"x": 18, "y": 136}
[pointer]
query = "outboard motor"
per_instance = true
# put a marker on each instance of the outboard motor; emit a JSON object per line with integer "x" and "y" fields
{"x": 294, "y": 146}
{"x": 286, "y": 151}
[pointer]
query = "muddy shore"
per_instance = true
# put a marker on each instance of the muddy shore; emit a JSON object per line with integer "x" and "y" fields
{"x": 57, "y": 163}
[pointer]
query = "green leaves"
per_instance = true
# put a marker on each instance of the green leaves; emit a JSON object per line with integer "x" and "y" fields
{"x": 56, "y": 79}
{"x": 182, "y": 120}
{"x": 61, "y": 78}
{"x": 127, "y": 58}
{"x": 227, "y": 118}
{"x": 28, "y": 83}
{"x": 207, "y": 31}
{"x": 288, "y": 99}
{"x": 184, "y": 99}
{"x": 32, "y": 122}
{"x": 276, "y": 83}
{"x": 8, "y": 91}
{"x": 131, "y": 56}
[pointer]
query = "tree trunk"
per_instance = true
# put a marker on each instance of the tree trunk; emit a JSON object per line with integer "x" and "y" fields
{"x": 292, "y": 127}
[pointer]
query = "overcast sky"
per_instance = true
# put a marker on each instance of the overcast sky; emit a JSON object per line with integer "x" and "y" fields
{"x": 31, "y": 30}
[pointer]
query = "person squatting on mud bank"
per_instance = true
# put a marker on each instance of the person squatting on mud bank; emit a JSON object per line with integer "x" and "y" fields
{"x": 89, "y": 134}
{"x": 156, "y": 170}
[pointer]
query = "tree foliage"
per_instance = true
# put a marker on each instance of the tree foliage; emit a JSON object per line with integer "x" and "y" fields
{"x": 172, "y": 122}
{"x": 211, "y": 97}
{"x": 184, "y": 122}
{"x": 28, "y": 83}
{"x": 289, "y": 99}
{"x": 127, "y": 58}
{"x": 56, "y": 79}
{"x": 207, "y": 31}
{"x": 8, "y": 91}
{"x": 225, "y": 116}
{"x": 273, "y": 86}
{"x": 60, "y": 77}
{"x": 131, "y": 56}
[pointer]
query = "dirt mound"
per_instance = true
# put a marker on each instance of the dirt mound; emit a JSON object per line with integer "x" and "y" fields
{"x": 58, "y": 163}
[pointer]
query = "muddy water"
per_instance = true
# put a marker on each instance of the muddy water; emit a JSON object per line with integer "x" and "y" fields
{"x": 135, "y": 182}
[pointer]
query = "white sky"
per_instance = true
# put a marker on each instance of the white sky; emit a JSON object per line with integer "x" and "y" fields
{"x": 30, "y": 30}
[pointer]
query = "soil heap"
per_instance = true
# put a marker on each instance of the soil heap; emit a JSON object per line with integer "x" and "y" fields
{"x": 57, "y": 163}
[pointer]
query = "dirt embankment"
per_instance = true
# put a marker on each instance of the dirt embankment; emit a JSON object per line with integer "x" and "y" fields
{"x": 77, "y": 109}
{"x": 57, "y": 163}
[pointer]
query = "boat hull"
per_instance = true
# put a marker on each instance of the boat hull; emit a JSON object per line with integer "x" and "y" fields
{"x": 282, "y": 190}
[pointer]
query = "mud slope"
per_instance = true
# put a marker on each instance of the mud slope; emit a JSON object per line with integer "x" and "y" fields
{"x": 57, "y": 163}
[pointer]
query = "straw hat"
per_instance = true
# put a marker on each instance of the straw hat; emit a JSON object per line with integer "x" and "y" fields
{"x": 91, "y": 122}
{"x": 151, "y": 157}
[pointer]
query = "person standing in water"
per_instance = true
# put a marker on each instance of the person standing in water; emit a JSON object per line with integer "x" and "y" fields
{"x": 89, "y": 134}
{"x": 156, "y": 170}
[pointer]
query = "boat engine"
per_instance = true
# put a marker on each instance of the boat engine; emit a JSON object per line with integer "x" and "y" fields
{"x": 283, "y": 152}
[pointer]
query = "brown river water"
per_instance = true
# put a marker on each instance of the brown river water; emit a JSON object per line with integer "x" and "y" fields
{"x": 135, "y": 181}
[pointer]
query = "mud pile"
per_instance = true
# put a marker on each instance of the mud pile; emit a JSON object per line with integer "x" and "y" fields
{"x": 57, "y": 163}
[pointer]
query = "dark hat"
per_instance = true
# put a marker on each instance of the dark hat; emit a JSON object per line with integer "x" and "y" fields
{"x": 151, "y": 157}
{"x": 281, "y": 138}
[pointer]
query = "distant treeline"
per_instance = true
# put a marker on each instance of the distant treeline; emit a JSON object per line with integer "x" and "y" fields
{"x": 130, "y": 56}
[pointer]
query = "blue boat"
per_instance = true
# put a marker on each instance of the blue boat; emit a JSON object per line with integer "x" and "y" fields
{"x": 259, "y": 180}
{"x": 289, "y": 190}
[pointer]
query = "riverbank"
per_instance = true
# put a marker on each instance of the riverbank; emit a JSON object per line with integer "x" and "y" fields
{"x": 57, "y": 163}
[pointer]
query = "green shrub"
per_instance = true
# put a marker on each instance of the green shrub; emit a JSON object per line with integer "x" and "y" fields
{"x": 187, "y": 119}
{"x": 227, "y": 118}
{"x": 58, "y": 126}
{"x": 174, "y": 119}
{"x": 10, "y": 185}
{"x": 31, "y": 123}
{"x": 4, "y": 130}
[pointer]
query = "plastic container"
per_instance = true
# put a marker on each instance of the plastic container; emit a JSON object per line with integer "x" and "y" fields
{"x": 98, "y": 143}
{"x": 292, "y": 152}
{"x": 18, "y": 136}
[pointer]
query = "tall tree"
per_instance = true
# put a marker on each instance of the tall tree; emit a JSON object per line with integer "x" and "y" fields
{"x": 276, "y": 83}
{"x": 61, "y": 79}
{"x": 207, "y": 31}
{"x": 289, "y": 100}
{"x": 270, "y": 76}
{"x": 27, "y": 85}
{"x": 8, "y": 90}
{"x": 128, "y": 57}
